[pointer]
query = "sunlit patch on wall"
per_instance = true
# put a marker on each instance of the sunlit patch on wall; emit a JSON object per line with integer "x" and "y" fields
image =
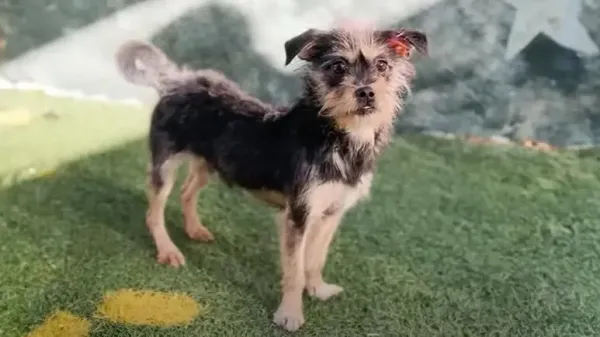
{"x": 15, "y": 117}
{"x": 144, "y": 307}
{"x": 62, "y": 324}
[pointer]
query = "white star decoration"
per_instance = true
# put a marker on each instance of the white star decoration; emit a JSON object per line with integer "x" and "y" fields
{"x": 558, "y": 19}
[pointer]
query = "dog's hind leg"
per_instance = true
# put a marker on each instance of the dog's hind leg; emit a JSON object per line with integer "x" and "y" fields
{"x": 317, "y": 247}
{"x": 161, "y": 178}
{"x": 197, "y": 178}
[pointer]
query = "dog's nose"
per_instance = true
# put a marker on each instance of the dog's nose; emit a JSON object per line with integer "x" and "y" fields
{"x": 365, "y": 96}
{"x": 365, "y": 93}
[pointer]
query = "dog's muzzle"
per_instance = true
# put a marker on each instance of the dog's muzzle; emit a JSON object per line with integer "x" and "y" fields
{"x": 365, "y": 98}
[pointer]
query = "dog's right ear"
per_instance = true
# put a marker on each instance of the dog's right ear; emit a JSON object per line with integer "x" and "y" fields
{"x": 404, "y": 40}
{"x": 302, "y": 46}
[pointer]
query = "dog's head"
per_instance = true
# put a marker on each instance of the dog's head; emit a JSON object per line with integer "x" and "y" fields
{"x": 357, "y": 72}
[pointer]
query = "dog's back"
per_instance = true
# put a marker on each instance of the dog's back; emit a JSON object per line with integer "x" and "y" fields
{"x": 204, "y": 94}
{"x": 144, "y": 64}
{"x": 203, "y": 112}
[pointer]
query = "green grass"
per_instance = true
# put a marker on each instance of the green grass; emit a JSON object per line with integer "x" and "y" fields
{"x": 457, "y": 240}
{"x": 60, "y": 129}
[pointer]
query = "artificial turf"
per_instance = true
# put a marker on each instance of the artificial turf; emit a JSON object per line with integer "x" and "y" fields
{"x": 456, "y": 240}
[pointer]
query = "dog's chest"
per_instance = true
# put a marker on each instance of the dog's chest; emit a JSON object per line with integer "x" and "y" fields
{"x": 334, "y": 196}
{"x": 347, "y": 164}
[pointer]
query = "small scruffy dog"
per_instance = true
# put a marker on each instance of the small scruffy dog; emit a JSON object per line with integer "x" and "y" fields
{"x": 313, "y": 161}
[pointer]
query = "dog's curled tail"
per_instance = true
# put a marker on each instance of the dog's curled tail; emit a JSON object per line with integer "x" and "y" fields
{"x": 144, "y": 64}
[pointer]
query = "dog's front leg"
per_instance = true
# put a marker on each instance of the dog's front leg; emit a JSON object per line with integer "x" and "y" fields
{"x": 292, "y": 240}
{"x": 317, "y": 247}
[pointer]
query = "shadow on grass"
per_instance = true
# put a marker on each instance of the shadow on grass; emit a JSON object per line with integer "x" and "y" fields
{"x": 91, "y": 193}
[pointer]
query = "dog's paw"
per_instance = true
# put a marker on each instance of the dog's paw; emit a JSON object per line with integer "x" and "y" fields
{"x": 324, "y": 291}
{"x": 199, "y": 233}
{"x": 170, "y": 255}
{"x": 290, "y": 320}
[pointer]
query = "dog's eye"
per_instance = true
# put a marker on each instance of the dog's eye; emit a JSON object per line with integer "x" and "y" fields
{"x": 338, "y": 67}
{"x": 382, "y": 65}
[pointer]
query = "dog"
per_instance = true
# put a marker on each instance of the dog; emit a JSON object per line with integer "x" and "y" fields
{"x": 312, "y": 161}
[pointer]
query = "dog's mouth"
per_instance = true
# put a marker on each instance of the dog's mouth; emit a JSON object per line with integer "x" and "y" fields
{"x": 365, "y": 110}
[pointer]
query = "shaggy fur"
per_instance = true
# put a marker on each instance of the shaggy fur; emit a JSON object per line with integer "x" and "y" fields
{"x": 313, "y": 161}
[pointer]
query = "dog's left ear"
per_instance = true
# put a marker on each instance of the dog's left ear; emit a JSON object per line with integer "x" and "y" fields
{"x": 412, "y": 39}
{"x": 302, "y": 45}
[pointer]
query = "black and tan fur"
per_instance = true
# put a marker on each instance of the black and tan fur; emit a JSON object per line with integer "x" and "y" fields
{"x": 312, "y": 161}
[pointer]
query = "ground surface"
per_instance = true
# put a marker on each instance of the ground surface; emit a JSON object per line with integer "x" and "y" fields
{"x": 38, "y": 131}
{"x": 457, "y": 240}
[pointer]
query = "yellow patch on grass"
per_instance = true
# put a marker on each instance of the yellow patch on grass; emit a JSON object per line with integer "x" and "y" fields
{"x": 144, "y": 307}
{"x": 62, "y": 324}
